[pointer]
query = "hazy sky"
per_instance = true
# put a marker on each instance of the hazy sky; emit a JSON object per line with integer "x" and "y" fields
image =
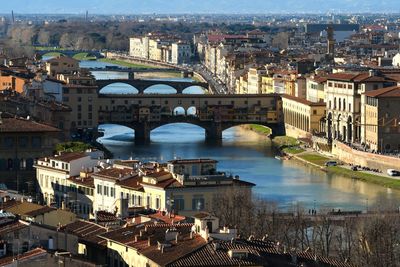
{"x": 197, "y": 6}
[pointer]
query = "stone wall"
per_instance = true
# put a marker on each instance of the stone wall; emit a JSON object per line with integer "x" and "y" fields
{"x": 375, "y": 161}
{"x": 294, "y": 132}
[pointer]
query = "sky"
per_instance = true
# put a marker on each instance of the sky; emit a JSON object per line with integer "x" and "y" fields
{"x": 198, "y": 6}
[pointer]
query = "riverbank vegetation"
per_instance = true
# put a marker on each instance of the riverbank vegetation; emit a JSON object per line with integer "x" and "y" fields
{"x": 366, "y": 177}
{"x": 73, "y": 147}
{"x": 260, "y": 129}
{"x": 314, "y": 158}
{"x": 84, "y": 56}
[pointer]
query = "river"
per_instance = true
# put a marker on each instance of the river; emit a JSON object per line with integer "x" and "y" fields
{"x": 248, "y": 155}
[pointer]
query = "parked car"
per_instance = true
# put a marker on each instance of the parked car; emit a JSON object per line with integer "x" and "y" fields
{"x": 354, "y": 168}
{"x": 331, "y": 163}
{"x": 393, "y": 172}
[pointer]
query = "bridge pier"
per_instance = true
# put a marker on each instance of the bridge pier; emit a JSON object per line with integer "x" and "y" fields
{"x": 142, "y": 134}
{"x": 214, "y": 133}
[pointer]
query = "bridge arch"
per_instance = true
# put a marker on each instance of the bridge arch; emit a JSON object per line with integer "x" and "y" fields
{"x": 160, "y": 88}
{"x": 118, "y": 88}
{"x": 191, "y": 111}
{"x": 195, "y": 89}
{"x": 179, "y": 111}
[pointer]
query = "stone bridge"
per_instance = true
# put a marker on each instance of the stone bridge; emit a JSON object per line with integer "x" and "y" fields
{"x": 214, "y": 113}
{"x": 71, "y": 53}
{"x": 142, "y": 85}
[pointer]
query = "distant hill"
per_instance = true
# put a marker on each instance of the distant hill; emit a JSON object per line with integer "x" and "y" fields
{"x": 195, "y": 6}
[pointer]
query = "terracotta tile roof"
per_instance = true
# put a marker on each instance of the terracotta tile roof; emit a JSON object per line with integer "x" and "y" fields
{"x": 303, "y": 101}
{"x": 87, "y": 231}
{"x": 260, "y": 253}
{"x": 357, "y": 77}
{"x": 26, "y": 256}
{"x": 69, "y": 156}
{"x": 164, "y": 184}
{"x": 105, "y": 216}
{"x": 86, "y": 181}
{"x": 133, "y": 182}
{"x": 40, "y": 211}
{"x": 166, "y": 218}
{"x": 22, "y": 208}
{"x": 11, "y": 227}
{"x": 393, "y": 91}
{"x": 18, "y": 125}
{"x": 115, "y": 173}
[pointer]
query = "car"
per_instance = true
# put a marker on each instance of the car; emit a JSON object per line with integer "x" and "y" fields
{"x": 331, "y": 163}
{"x": 392, "y": 172}
{"x": 354, "y": 168}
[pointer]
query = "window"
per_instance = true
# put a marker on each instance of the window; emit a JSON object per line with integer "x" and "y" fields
{"x": 158, "y": 203}
{"x": 99, "y": 189}
{"x": 198, "y": 202}
{"x": 179, "y": 203}
{"x": 112, "y": 192}
{"x": 23, "y": 141}
{"x": 106, "y": 190}
{"x": 79, "y": 99}
{"x": 8, "y": 142}
{"x": 79, "y": 107}
{"x": 90, "y": 108}
{"x": 36, "y": 142}
{"x": 66, "y": 90}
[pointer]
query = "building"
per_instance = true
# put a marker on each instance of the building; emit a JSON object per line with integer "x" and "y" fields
{"x": 302, "y": 117}
{"x": 381, "y": 114}
{"x": 39, "y": 214}
{"x": 204, "y": 243}
{"x": 22, "y": 141}
{"x": 254, "y": 77}
{"x": 343, "y": 102}
{"x": 61, "y": 65}
{"x": 162, "y": 48}
{"x": 181, "y": 53}
{"x": 315, "y": 87}
{"x": 62, "y": 181}
{"x": 88, "y": 186}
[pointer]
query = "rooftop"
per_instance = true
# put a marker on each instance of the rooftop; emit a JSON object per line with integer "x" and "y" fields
{"x": 191, "y": 161}
{"x": 21, "y": 125}
{"x": 393, "y": 91}
{"x": 69, "y": 156}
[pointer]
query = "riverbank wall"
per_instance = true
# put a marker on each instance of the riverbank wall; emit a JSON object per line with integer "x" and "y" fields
{"x": 356, "y": 157}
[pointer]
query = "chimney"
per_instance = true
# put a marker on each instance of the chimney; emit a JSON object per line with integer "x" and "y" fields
{"x": 191, "y": 234}
{"x": 141, "y": 233}
{"x": 176, "y": 238}
{"x": 136, "y": 238}
{"x": 371, "y": 73}
{"x": 149, "y": 241}
{"x": 63, "y": 205}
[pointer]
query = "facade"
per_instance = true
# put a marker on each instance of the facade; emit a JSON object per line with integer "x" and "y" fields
{"x": 381, "y": 113}
{"x": 302, "y": 118}
{"x": 61, "y": 65}
{"x": 22, "y": 141}
{"x": 315, "y": 89}
{"x": 61, "y": 181}
{"x": 181, "y": 53}
{"x": 343, "y": 103}
{"x": 255, "y": 80}
{"x": 160, "y": 48}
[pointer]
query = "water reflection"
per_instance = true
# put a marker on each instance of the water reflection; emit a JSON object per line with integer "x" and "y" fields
{"x": 250, "y": 156}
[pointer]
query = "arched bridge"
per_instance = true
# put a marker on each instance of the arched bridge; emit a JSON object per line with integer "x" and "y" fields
{"x": 142, "y": 85}
{"x": 214, "y": 113}
{"x": 70, "y": 53}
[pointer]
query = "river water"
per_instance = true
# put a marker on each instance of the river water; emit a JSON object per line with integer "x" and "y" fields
{"x": 247, "y": 154}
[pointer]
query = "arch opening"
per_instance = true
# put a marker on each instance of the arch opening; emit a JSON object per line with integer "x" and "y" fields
{"x": 179, "y": 111}
{"x": 115, "y": 133}
{"x": 191, "y": 111}
{"x": 160, "y": 89}
{"x": 119, "y": 88}
{"x": 195, "y": 90}
{"x": 178, "y": 133}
